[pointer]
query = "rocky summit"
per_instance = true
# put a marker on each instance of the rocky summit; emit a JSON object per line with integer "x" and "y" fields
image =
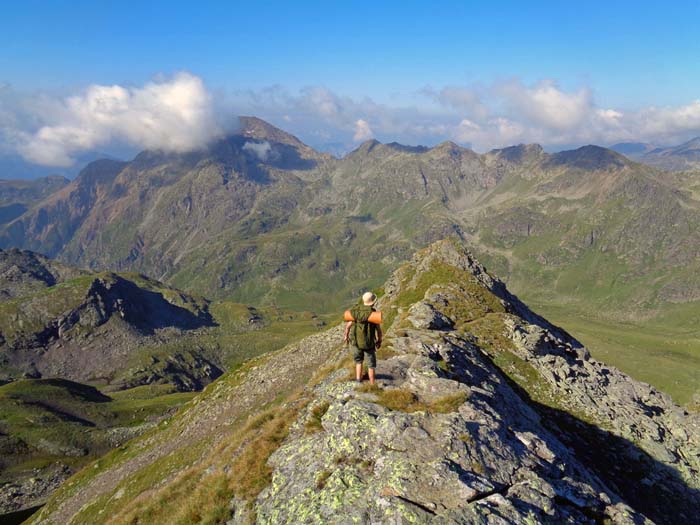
{"x": 484, "y": 412}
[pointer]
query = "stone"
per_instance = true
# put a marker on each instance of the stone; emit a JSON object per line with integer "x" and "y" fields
{"x": 424, "y": 316}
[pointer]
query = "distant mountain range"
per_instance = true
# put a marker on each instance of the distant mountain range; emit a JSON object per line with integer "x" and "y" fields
{"x": 260, "y": 217}
{"x": 675, "y": 158}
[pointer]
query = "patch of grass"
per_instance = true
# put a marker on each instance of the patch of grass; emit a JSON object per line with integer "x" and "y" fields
{"x": 352, "y": 461}
{"x": 249, "y": 472}
{"x": 490, "y": 332}
{"x": 322, "y": 373}
{"x": 477, "y": 467}
{"x": 442, "y": 365}
{"x": 400, "y": 399}
{"x": 694, "y": 405}
{"x": 216, "y": 491}
{"x": 202, "y": 494}
{"x": 466, "y": 438}
{"x": 368, "y": 388}
{"x": 322, "y": 478}
{"x": 447, "y": 404}
{"x": 313, "y": 424}
{"x": 406, "y": 401}
{"x": 386, "y": 351}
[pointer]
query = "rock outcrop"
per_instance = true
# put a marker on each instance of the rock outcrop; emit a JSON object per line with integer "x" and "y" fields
{"x": 484, "y": 413}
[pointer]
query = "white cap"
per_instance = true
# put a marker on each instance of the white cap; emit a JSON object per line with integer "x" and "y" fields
{"x": 368, "y": 298}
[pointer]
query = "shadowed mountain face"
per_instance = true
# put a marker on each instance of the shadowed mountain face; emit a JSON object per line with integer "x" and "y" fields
{"x": 484, "y": 413}
{"x": 60, "y": 321}
{"x": 260, "y": 217}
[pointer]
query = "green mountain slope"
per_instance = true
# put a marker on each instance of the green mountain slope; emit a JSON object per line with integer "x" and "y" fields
{"x": 51, "y": 427}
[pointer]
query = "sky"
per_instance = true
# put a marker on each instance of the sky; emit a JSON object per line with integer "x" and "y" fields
{"x": 112, "y": 76}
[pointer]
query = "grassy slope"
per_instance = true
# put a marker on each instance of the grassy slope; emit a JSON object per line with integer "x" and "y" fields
{"x": 200, "y": 444}
{"x": 49, "y": 420}
{"x": 75, "y": 417}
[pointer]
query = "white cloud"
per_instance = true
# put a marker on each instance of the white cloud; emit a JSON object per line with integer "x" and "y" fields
{"x": 547, "y": 105}
{"x": 261, "y": 150}
{"x": 468, "y": 100}
{"x": 174, "y": 115}
{"x": 467, "y": 131}
{"x": 669, "y": 121}
{"x": 362, "y": 131}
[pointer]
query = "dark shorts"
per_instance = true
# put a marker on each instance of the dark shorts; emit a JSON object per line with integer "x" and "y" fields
{"x": 359, "y": 356}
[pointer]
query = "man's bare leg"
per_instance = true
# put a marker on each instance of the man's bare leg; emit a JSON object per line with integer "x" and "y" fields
{"x": 358, "y": 371}
{"x": 371, "y": 376}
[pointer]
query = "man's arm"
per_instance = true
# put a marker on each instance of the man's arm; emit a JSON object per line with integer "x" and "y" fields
{"x": 379, "y": 336}
{"x": 346, "y": 335}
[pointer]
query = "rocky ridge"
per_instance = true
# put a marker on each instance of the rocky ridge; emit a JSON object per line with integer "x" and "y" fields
{"x": 546, "y": 435}
{"x": 485, "y": 413}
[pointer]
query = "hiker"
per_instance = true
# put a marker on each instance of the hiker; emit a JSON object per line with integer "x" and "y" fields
{"x": 364, "y": 337}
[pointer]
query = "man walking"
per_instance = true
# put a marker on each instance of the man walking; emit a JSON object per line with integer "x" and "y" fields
{"x": 364, "y": 337}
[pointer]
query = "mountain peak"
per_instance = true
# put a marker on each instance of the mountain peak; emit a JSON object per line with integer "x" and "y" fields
{"x": 519, "y": 153}
{"x": 451, "y": 149}
{"x": 366, "y": 147}
{"x": 257, "y": 128}
{"x": 448, "y": 145}
{"x": 589, "y": 158}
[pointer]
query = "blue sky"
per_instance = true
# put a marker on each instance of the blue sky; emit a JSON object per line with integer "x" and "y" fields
{"x": 623, "y": 56}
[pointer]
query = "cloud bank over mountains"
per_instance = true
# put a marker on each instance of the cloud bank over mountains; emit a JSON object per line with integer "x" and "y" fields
{"x": 170, "y": 115}
{"x": 182, "y": 114}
